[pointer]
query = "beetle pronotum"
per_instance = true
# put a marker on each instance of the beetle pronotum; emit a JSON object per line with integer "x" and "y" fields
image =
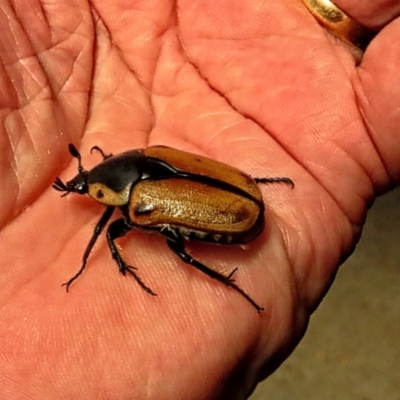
{"x": 180, "y": 195}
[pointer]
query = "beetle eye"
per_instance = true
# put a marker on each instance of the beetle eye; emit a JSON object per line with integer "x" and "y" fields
{"x": 81, "y": 188}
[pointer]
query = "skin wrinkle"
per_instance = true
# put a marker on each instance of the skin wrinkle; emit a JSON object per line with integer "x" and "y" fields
{"x": 100, "y": 24}
{"x": 160, "y": 53}
{"x": 29, "y": 99}
{"x": 284, "y": 287}
{"x": 13, "y": 143}
{"x": 209, "y": 144}
{"x": 120, "y": 51}
{"x": 90, "y": 92}
{"x": 71, "y": 32}
{"x": 41, "y": 88}
{"x": 13, "y": 162}
{"x": 310, "y": 170}
{"x": 60, "y": 84}
{"x": 357, "y": 89}
{"x": 36, "y": 56}
{"x": 284, "y": 229}
{"x": 58, "y": 49}
{"x": 358, "y": 165}
{"x": 78, "y": 55}
{"x": 75, "y": 63}
{"x": 310, "y": 255}
{"x": 205, "y": 116}
{"x": 44, "y": 14}
{"x": 14, "y": 35}
{"x": 369, "y": 129}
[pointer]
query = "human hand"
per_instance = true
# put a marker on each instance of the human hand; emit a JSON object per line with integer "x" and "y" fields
{"x": 257, "y": 85}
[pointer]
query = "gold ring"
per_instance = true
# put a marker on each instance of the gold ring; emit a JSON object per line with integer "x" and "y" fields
{"x": 340, "y": 24}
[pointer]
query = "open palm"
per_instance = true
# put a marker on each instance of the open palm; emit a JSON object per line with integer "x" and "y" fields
{"x": 258, "y": 85}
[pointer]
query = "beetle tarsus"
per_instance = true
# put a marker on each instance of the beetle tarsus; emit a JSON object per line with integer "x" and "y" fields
{"x": 68, "y": 283}
{"x": 231, "y": 274}
{"x": 179, "y": 249}
{"x": 116, "y": 230}
{"x": 275, "y": 180}
{"x": 129, "y": 269}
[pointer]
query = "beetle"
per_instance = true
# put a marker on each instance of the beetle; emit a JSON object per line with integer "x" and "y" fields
{"x": 180, "y": 195}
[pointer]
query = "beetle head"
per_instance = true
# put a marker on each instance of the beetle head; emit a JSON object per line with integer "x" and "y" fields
{"x": 78, "y": 184}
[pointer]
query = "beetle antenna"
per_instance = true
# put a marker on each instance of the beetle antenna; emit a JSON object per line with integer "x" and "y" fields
{"x": 75, "y": 153}
{"x": 60, "y": 186}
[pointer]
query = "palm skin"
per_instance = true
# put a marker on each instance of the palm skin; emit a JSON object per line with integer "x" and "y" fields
{"x": 258, "y": 86}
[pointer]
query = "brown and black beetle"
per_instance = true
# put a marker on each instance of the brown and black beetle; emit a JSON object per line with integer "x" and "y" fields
{"x": 180, "y": 195}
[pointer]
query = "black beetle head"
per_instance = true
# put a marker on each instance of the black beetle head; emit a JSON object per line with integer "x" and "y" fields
{"x": 77, "y": 185}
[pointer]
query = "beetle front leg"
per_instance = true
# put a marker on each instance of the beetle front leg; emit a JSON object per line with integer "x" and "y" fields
{"x": 96, "y": 233}
{"x": 116, "y": 230}
{"x": 176, "y": 245}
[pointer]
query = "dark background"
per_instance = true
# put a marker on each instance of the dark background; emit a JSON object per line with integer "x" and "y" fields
{"x": 351, "y": 350}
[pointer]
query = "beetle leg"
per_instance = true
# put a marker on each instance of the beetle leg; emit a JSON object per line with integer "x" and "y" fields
{"x": 104, "y": 155}
{"x": 231, "y": 274}
{"x": 116, "y": 230}
{"x": 274, "y": 180}
{"x": 96, "y": 233}
{"x": 179, "y": 249}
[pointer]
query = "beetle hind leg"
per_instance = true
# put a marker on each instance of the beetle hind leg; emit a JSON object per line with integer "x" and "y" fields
{"x": 116, "y": 230}
{"x": 179, "y": 249}
{"x": 274, "y": 180}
